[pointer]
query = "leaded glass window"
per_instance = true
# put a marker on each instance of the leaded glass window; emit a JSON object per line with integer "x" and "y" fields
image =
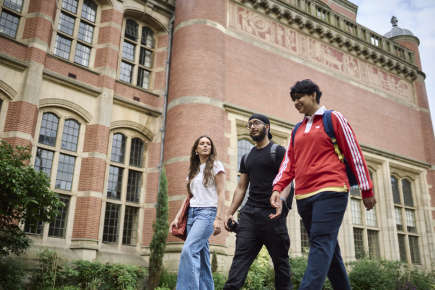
{"x": 65, "y": 172}
{"x": 137, "y": 54}
{"x": 48, "y": 132}
{"x": 305, "y": 240}
{"x": 111, "y": 221}
{"x": 406, "y": 222}
{"x": 358, "y": 242}
{"x": 129, "y": 236}
{"x": 44, "y": 161}
{"x": 10, "y": 17}
{"x": 114, "y": 185}
{"x": 75, "y": 31}
{"x": 70, "y": 135}
{"x": 136, "y": 152}
{"x": 59, "y": 156}
{"x": 118, "y": 148}
{"x": 133, "y": 185}
{"x": 365, "y": 226}
{"x": 124, "y": 187}
{"x": 58, "y": 227}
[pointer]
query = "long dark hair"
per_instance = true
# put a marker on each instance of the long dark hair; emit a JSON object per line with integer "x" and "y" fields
{"x": 195, "y": 163}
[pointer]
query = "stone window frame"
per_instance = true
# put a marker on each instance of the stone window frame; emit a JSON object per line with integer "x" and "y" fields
{"x": 20, "y": 14}
{"x": 63, "y": 115}
{"x": 135, "y": 64}
{"x": 75, "y": 41}
{"x": 364, "y": 227}
{"x": 122, "y": 202}
{"x": 404, "y": 232}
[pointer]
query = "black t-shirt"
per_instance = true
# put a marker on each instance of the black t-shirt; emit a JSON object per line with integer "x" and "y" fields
{"x": 261, "y": 170}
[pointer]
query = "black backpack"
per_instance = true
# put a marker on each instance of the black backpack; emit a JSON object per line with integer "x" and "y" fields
{"x": 288, "y": 202}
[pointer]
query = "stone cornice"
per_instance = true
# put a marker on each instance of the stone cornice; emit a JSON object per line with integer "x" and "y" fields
{"x": 340, "y": 32}
{"x": 52, "y": 102}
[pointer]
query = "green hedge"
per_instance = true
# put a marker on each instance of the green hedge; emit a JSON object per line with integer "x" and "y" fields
{"x": 53, "y": 273}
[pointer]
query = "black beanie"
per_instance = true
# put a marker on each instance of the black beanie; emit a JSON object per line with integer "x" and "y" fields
{"x": 264, "y": 119}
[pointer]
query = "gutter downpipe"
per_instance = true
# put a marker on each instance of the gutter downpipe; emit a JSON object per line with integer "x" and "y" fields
{"x": 165, "y": 101}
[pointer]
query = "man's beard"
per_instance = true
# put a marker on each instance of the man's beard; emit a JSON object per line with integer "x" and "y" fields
{"x": 260, "y": 136}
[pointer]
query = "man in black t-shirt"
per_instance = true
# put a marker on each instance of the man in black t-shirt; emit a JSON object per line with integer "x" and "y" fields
{"x": 256, "y": 228}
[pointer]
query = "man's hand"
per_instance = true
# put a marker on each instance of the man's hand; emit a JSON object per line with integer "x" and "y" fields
{"x": 227, "y": 218}
{"x": 275, "y": 201}
{"x": 369, "y": 202}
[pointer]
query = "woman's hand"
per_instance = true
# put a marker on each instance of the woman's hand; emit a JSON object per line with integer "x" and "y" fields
{"x": 174, "y": 223}
{"x": 217, "y": 225}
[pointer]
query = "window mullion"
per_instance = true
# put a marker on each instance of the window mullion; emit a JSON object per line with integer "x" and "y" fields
{"x": 121, "y": 224}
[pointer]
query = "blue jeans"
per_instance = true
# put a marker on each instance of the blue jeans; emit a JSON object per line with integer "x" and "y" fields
{"x": 322, "y": 215}
{"x": 194, "y": 271}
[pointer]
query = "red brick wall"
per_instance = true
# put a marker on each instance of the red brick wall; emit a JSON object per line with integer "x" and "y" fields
{"x": 96, "y": 138}
{"x": 21, "y": 117}
{"x": 87, "y": 218}
{"x": 92, "y": 174}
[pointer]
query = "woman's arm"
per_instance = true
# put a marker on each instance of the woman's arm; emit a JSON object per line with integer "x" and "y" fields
{"x": 220, "y": 190}
{"x": 176, "y": 220}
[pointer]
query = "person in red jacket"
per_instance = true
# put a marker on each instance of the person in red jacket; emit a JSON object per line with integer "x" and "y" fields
{"x": 321, "y": 184}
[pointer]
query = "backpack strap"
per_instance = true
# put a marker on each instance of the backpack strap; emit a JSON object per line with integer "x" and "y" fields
{"x": 329, "y": 129}
{"x": 296, "y": 127}
{"x": 273, "y": 149}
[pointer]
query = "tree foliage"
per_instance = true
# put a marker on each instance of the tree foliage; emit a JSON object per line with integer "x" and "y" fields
{"x": 160, "y": 227}
{"x": 24, "y": 195}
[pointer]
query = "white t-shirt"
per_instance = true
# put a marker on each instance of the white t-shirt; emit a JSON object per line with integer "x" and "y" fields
{"x": 205, "y": 196}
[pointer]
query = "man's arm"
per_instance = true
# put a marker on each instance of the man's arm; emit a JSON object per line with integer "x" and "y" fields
{"x": 351, "y": 150}
{"x": 239, "y": 194}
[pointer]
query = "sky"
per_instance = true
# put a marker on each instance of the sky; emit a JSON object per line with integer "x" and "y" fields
{"x": 415, "y": 15}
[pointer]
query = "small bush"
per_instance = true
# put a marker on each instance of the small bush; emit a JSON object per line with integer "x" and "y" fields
{"x": 12, "y": 274}
{"x": 55, "y": 274}
{"x": 168, "y": 279}
{"x": 219, "y": 280}
{"x": 374, "y": 274}
{"x": 261, "y": 274}
{"x": 214, "y": 262}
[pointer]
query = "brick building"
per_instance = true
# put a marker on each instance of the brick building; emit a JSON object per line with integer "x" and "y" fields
{"x": 90, "y": 86}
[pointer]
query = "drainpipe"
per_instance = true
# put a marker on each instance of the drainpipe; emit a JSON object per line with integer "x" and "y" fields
{"x": 165, "y": 101}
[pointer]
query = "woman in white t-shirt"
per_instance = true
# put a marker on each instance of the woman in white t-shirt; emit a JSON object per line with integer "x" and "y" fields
{"x": 206, "y": 188}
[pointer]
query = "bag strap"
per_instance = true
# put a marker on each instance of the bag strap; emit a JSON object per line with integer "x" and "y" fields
{"x": 296, "y": 127}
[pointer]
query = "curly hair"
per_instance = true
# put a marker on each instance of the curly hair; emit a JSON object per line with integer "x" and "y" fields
{"x": 305, "y": 87}
{"x": 195, "y": 163}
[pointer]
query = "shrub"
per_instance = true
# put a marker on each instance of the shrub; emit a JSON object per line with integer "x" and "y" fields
{"x": 12, "y": 274}
{"x": 160, "y": 227}
{"x": 168, "y": 279}
{"x": 219, "y": 280}
{"x": 214, "y": 262}
{"x": 50, "y": 264}
{"x": 374, "y": 274}
{"x": 298, "y": 266}
{"x": 261, "y": 274}
{"x": 55, "y": 274}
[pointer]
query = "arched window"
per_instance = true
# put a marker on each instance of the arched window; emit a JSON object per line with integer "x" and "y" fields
{"x": 137, "y": 54}
{"x": 10, "y": 15}
{"x": 75, "y": 30}
{"x": 56, "y": 154}
{"x": 124, "y": 188}
{"x": 405, "y": 216}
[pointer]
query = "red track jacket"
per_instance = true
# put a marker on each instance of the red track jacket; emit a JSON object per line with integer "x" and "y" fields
{"x": 313, "y": 163}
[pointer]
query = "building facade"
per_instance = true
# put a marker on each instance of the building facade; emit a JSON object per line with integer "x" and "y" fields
{"x": 105, "y": 92}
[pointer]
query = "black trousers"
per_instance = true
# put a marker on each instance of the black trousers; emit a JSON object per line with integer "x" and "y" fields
{"x": 255, "y": 230}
